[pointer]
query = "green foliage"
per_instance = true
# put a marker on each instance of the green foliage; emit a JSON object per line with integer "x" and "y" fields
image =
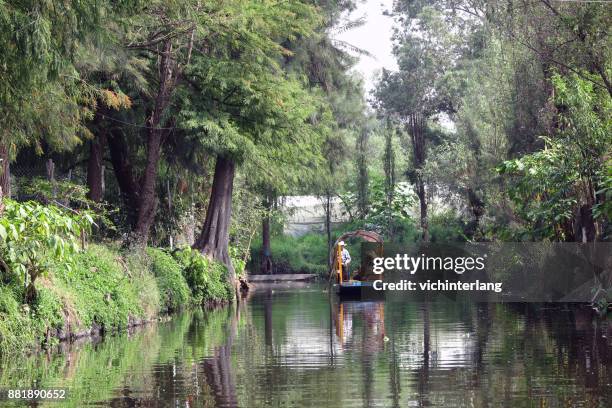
{"x": 101, "y": 289}
{"x": 33, "y": 237}
{"x": 137, "y": 266}
{"x": 382, "y": 212}
{"x": 67, "y": 194}
{"x": 207, "y": 278}
{"x": 47, "y": 310}
{"x": 603, "y": 209}
{"x": 44, "y": 190}
{"x": 109, "y": 290}
{"x": 247, "y": 213}
{"x": 172, "y": 285}
{"x": 94, "y": 291}
{"x": 446, "y": 226}
{"x": 384, "y": 209}
{"x": 550, "y": 185}
{"x": 241, "y": 103}
{"x": 543, "y": 189}
{"x": 238, "y": 260}
{"x": 304, "y": 254}
{"x": 40, "y": 93}
{"x": 16, "y": 327}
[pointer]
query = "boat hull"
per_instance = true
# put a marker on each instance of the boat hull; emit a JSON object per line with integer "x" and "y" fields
{"x": 357, "y": 290}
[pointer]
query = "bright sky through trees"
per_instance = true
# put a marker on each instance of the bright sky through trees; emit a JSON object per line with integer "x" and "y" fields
{"x": 374, "y": 37}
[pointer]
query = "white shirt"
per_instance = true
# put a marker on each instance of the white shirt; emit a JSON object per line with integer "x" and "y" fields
{"x": 346, "y": 257}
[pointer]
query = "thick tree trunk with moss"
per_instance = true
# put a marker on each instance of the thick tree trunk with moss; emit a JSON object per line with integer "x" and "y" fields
{"x": 214, "y": 238}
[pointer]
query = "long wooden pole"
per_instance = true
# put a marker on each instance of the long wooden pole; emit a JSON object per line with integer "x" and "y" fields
{"x": 339, "y": 261}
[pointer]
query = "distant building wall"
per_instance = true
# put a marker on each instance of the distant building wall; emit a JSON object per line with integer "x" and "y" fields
{"x": 304, "y": 214}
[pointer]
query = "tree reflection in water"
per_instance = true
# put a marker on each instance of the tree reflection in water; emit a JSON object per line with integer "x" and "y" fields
{"x": 287, "y": 347}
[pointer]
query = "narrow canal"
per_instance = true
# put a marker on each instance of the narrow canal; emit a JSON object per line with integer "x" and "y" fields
{"x": 294, "y": 347}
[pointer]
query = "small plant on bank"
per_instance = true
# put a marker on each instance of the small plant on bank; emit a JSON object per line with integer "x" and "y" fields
{"x": 206, "y": 278}
{"x": 33, "y": 237}
{"x": 173, "y": 288}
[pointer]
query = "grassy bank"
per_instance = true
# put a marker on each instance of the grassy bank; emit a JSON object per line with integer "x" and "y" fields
{"x": 105, "y": 289}
{"x": 304, "y": 254}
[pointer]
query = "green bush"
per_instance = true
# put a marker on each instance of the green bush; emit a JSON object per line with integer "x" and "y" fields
{"x": 206, "y": 278}
{"x": 237, "y": 261}
{"x": 172, "y": 285}
{"x": 33, "y": 237}
{"x": 75, "y": 290}
{"x": 446, "y": 227}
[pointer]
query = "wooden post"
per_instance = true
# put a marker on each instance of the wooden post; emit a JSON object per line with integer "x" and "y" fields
{"x": 339, "y": 261}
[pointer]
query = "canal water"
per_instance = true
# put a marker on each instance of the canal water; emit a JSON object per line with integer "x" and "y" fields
{"x": 297, "y": 347}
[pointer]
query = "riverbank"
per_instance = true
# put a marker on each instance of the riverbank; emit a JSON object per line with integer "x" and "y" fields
{"x": 106, "y": 289}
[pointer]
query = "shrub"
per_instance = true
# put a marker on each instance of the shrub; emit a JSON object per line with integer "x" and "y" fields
{"x": 172, "y": 285}
{"x": 446, "y": 227}
{"x": 34, "y": 236}
{"x": 237, "y": 260}
{"x": 206, "y": 278}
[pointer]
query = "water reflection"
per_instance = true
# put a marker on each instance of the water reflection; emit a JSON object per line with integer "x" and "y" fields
{"x": 370, "y": 315}
{"x": 287, "y": 347}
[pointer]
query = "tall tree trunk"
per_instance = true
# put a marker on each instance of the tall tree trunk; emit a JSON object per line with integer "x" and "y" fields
{"x": 422, "y": 194}
{"x": 124, "y": 173}
{"x": 148, "y": 198}
{"x": 5, "y": 174}
{"x": 95, "y": 168}
{"x": 328, "y": 221}
{"x": 389, "y": 168}
{"x": 585, "y": 228}
{"x": 50, "y": 165}
{"x": 5, "y": 171}
{"x": 477, "y": 208}
{"x": 266, "y": 253}
{"x": 214, "y": 239}
{"x": 363, "y": 201}
{"x": 417, "y": 133}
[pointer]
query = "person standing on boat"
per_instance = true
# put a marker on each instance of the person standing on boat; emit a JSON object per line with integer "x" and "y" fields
{"x": 346, "y": 261}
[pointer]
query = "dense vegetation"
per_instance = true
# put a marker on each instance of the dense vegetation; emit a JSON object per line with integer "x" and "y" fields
{"x": 54, "y": 288}
{"x": 526, "y": 87}
{"x": 183, "y": 124}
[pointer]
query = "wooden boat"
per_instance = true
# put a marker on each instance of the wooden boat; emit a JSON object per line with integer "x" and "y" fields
{"x": 363, "y": 287}
{"x": 357, "y": 290}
